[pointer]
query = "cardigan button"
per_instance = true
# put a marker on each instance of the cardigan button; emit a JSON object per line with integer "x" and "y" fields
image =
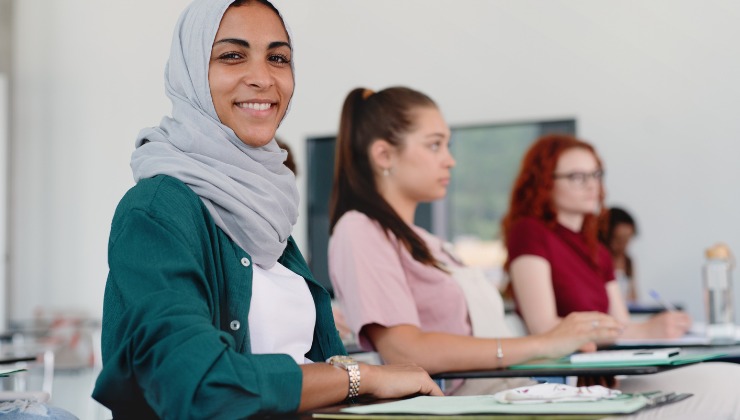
{"x": 235, "y": 325}
{"x": 245, "y": 262}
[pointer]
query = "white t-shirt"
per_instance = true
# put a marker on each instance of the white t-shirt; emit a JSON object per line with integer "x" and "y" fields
{"x": 282, "y": 314}
{"x": 624, "y": 283}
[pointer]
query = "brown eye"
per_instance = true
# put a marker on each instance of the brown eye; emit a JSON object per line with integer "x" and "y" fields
{"x": 230, "y": 56}
{"x": 279, "y": 59}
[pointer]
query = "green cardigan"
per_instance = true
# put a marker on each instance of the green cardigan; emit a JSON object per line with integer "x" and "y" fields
{"x": 175, "y": 329}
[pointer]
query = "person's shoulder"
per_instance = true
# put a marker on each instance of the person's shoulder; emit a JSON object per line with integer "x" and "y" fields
{"x": 161, "y": 196}
{"x": 356, "y": 229}
{"x": 529, "y": 224}
{"x": 355, "y": 222}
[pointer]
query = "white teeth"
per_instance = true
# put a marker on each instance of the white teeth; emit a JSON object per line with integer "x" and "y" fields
{"x": 255, "y": 106}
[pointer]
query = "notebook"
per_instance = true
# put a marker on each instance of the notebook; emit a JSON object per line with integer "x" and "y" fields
{"x": 625, "y": 355}
{"x": 486, "y": 404}
{"x": 565, "y": 363}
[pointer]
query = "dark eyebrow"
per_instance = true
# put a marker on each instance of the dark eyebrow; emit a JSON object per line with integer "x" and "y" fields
{"x": 278, "y": 44}
{"x": 245, "y": 44}
{"x": 235, "y": 41}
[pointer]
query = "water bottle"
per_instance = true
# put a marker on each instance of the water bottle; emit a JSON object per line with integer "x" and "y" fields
{"x": 720, "y": 316}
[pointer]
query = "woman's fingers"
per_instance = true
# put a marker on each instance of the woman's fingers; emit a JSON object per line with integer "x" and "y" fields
{"x": 595, "y": 326}
{"x": 588, "y": 347}
{"x": 595, "y": 321}
{"x": 671, "y": 324}
{"x": 583, "y": 331}
{"x": 395, "y": 381}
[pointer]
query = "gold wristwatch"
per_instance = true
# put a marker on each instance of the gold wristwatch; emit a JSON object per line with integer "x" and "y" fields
{"x": 353, "y": 370}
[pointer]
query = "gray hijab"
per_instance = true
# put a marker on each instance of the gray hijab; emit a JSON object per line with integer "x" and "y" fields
{"x": 249, "y": 192}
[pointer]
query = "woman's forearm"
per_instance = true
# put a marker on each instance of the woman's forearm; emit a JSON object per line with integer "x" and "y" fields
{"x": 325, "y": 385}
{"x": 440, "y": 352}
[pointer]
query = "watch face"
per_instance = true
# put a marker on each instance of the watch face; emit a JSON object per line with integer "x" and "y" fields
{"x": 340, "y": 360}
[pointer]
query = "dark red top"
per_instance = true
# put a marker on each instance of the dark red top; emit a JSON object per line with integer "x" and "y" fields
{"x": 579, "y": 283}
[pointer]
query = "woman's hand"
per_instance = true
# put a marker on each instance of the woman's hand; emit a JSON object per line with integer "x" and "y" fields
{"x": 324, "y": 384}
{"x": 581, "y": 331}
{"x": 669, "y": 324}
{"x": 395, "y": 381}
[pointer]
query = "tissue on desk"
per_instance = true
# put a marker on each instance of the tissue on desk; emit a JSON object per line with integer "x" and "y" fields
{"x": 552, "y": 393}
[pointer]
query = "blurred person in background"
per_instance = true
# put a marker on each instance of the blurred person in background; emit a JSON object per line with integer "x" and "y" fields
{"x": 617, "y": 229}
{"x": 555, "y": 261}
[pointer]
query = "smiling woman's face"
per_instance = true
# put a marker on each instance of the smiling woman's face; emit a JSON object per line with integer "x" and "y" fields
{"x": 250, "y": 73}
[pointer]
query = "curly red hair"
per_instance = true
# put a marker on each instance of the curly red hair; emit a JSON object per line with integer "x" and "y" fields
{"x": 532, "y": 192}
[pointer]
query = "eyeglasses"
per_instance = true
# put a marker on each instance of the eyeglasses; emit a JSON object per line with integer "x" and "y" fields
{"x": 581, "y": 178}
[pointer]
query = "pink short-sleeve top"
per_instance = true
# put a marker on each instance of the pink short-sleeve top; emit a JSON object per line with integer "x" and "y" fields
{"x": 377, "y": 281}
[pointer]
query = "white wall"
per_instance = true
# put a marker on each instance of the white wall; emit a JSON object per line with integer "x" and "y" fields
{"x": 652, "y": 84}
{"x": 87, "y": 77}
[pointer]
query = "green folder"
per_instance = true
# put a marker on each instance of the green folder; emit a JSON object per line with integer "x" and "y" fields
{"x": 485, "y": 404}
{"x": 565, "y": 363}
{"x": 6, "y": 373}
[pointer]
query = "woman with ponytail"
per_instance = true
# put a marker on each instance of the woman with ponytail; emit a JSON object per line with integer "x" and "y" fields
{"x": 393, "y": 279}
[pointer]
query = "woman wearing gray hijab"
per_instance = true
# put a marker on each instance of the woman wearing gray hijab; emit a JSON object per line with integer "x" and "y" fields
{"x": 210, "y": 310}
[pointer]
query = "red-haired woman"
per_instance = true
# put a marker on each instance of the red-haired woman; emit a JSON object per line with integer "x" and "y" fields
{"x": 556, "y": 264}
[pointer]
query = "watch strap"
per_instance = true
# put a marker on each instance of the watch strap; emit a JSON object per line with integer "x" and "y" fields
{"x": 353, "y": 370}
